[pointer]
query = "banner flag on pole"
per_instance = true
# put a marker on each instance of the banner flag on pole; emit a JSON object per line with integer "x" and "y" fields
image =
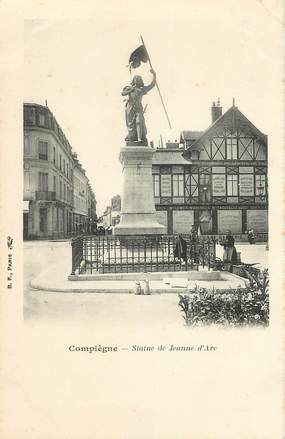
{"x": 137, "y": 57}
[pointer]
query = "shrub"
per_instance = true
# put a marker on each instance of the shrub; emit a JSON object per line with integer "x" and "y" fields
{"x": 235, "y": 307}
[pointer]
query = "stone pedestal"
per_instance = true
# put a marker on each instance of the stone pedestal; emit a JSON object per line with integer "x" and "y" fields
{"x": 138, "y": 216}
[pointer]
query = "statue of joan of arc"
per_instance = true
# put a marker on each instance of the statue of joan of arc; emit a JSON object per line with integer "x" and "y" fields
{"x": 134, "y": 110}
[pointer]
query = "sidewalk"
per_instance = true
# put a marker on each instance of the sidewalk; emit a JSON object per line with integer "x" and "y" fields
{"x": 55, "y": 279}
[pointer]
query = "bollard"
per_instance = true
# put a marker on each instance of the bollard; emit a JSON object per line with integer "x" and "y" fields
{"x": 146, "y": 287}
{"x": 137, "y": 288}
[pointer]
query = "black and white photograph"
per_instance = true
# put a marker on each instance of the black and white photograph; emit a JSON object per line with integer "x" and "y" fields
{"x": 143, "y": 213}
{"x": 144, "y": 175}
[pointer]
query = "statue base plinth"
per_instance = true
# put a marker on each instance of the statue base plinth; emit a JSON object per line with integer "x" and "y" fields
{"x": 136, "y": 143}
{"x": 139, "y": 224}
{"x": 138, "y": 215}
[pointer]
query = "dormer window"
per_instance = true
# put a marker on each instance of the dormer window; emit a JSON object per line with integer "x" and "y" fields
{"x": 42, "y": 120}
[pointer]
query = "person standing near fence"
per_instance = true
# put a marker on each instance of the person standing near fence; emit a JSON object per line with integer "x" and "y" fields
{"x": 250, "y": 236}
{"x": 180, "y": 250}
{"x": 230, "y": 253}
{"x": 194, "y": 255}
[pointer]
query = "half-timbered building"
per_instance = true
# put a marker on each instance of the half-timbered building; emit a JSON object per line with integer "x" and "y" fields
{"x": 216, "y": 179}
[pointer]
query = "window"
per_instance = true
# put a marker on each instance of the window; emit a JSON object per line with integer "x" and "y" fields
{"x": 27, "y": 148}
{"x": 30, "y": 116}
{"x": 67, "y": 169}
{"x": 166, "y": 185}
{"x": 178, "y": 185}
{"x": 232, "y": 185}
{"x": 156, "y": 190}
{"x": 60, "y": 161}
{"x": 231, "y": 148}
{"x": 63, "y": 166}
{"x": 43, "y": 181}
{"x": 26, "y": 180}
{"x": 64, "y": 192}
{"x": 205, "y": 188}
{"x": 41, "y": 119}
{"x": 43, "y": 150}
{"x": 54, "y": 162}
{"x": 54, "y": 183}
{"x": 260, "y": 185}
{"x": 60, "y": 189}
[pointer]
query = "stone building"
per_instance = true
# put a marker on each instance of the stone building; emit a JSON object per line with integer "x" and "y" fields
{"x": 80, "y": 196}
{"x": 48, "y": 210}
{"x": 215, "y": 179}
{"x": 48, "y": 176}
{"x": 115, "y": 210}
{"x": 112, "y": 213}
{"x": 91, "y": 205}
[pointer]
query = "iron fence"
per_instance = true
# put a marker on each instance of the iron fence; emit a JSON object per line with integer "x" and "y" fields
{"x": 129, "y": 254}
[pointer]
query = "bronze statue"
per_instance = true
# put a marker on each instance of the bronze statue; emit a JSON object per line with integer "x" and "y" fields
{"x": 134, "y": 110}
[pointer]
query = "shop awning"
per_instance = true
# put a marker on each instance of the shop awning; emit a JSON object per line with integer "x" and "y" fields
{"x": 26, "y": 206}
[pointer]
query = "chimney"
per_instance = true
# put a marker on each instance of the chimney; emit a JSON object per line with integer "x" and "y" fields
{"x": 217, "y": 111}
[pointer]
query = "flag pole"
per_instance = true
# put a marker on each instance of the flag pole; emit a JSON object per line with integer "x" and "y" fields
{"x": 156, "y": 84}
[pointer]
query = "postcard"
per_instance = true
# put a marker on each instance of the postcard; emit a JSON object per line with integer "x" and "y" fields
{"x": 142, "y": 219}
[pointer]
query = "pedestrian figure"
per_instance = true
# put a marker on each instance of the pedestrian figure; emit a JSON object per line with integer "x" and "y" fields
{"x": 193, "y": 245}
{"x": 230, "y": 253}
{"x": 180, "y": 250}
{"x": 138, "y": 288}
{"x": 250, "y": 236}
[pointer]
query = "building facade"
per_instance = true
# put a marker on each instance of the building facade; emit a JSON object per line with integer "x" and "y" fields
{"x": 216, "y": 179}
{"x": 91, "y": 203}
{"x": 48, "y": 176}
{"x": 112, "y": 214}
{"x": 80, "y": 197}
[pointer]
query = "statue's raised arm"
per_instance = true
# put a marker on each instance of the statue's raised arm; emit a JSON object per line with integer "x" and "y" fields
{"x": 134, "y": 110}
{"x": 147, "y": 88}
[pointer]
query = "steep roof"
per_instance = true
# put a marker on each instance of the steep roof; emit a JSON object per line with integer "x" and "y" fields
{"x": 190, "y": 135}
{"x": 232, "y": 119}
{"x": 165, "y": 156}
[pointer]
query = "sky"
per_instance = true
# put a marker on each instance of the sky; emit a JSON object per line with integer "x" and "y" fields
{"x": 204, "y": 51}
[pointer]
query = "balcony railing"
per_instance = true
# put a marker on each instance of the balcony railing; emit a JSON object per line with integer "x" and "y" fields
{"x": 45, "y": 195}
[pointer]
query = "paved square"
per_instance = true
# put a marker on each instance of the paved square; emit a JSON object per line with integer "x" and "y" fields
{"x": 103, "y": 310}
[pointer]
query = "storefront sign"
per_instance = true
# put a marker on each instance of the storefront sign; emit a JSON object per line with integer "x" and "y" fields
{"x": 182, "y": 221}
{"x": 229, "y": 220}
{"x": 246, "y": 187}
{"x": 165, "y": 185}
{"x": 257, "y": 220}
{"x": 219, "y": 185}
